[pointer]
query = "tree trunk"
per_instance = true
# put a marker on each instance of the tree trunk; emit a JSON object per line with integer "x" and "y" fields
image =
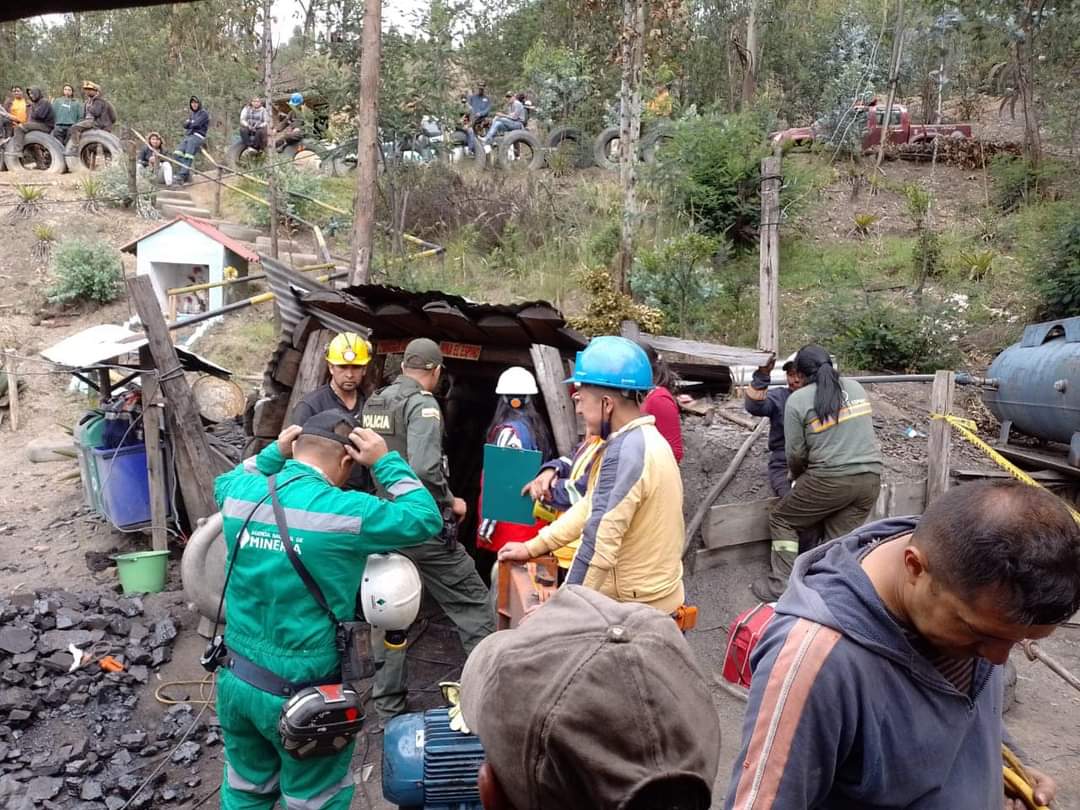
{"x": 633, "y": 57}
{"x": 894, "y": 77}
{"x": 367, "y": 149}
{"x": 271, "y": 148}
{"x": 753, "y": 57}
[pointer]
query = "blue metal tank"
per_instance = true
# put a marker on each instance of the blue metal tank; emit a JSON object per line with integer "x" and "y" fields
{"x": 1038, "y": 382}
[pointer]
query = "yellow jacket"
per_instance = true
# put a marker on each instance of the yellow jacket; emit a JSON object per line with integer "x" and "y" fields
{"x": 630, "y": 522}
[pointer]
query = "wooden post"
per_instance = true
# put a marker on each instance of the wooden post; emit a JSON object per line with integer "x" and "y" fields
{"x": 939, "y": 444}
{"x": 367, "y": 148}
{"x": 312, "y": 371}
{"x": 633, "y": 59}
{"x": 217, "y": 194}
{"x": 550, "y": 374}
{"x": 630, "y": 330}
{"x": 271, "y": 127}
{"x": 769, "y": 257}
{"x": 132, "y": 181}
{"x": 105, "y": 381}
{"x": 190, "y": 447}
{"x": 13, "y": 390}
{"x": 155, "y": 462}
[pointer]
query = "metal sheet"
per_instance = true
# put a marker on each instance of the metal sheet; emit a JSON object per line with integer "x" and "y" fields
{"x": 107, "y": 341}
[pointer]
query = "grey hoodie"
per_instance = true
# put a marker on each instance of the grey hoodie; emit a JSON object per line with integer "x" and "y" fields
{"x": 844, "y": 713}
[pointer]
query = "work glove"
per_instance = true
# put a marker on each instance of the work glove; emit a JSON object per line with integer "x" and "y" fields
{"x": 451, "y": 691}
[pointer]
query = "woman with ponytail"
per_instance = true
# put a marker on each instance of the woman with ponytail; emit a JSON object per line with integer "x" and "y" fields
{"x": 833, "y": 461}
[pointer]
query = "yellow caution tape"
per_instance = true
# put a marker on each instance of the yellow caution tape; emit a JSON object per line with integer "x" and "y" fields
{"x": 966, "y": 428}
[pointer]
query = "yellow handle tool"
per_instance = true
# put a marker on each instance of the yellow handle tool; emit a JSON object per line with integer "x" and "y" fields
{"x": 1017, "y": 781}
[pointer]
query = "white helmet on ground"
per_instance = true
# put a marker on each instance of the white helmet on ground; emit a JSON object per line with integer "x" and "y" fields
{"x": 516, "y": 380}
{"x": 390, "y": 591}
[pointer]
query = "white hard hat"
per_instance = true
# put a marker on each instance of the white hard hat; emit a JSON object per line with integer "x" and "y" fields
{"x": 390, "y": 591}
{"x": 516, "y": 380}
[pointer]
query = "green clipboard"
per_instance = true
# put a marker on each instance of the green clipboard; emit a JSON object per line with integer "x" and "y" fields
{"x": 506, "y": 471}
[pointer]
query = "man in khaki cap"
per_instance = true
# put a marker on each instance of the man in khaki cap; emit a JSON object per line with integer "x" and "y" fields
{"x": 407, "y": 416}
{"x": 591, "y": 704}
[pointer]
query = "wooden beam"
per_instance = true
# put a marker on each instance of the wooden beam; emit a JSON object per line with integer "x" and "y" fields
{"x": 13, "y": 390}
{"x": 312, "y": 372}
{"x": 550, "y": 374}
{"x": 939, "y": 443}
{"x": 155, "y": 462}
{"x": 190, "y": 448}
{"x": 706, "y": 354}
{"x": 769, "y": 256}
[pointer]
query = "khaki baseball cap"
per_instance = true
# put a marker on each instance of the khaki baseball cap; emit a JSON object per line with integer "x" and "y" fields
{"x": 423, "y": 353}
{"x": 589, "y": 702}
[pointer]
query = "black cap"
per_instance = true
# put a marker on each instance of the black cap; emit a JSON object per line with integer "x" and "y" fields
{"x": 335, "y": 425}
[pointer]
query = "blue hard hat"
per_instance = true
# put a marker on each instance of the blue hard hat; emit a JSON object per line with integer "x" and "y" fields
{"x": 613, "y": 362}
{"x": 296, "y": 99}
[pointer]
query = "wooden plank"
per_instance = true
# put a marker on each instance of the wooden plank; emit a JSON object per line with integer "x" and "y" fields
{"x": 320, "y": 243}
{"x": 269, "y": 417}
{"x": 769, "y": 256}
{"x": 697, "y": 353}
{"x": 191, "y": 450}
{"x": 733, "y": 524}
{"x": 312, "y": 372}
{"x": 939, "y": 443}
{"x": 288, "y": 366}
{"x": 731, "y": 555}
{"x": 13, "y": 390}
{"x": 736, "y": 524}
{"x": 550, "y": 373}
{"x": 155, "y": 462}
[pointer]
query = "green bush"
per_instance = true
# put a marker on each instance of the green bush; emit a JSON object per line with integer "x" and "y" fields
{"x": 1057, "y": 281}
{"x": 1015, "y": 181}
{"x": 884, "y": 337}
{"x": 290, "y": 206}
{"x": 710, "y": 174}
{"x": 926, "y": 256}
{"x": 681, "y": 279}
{"x": 86, "y": 271}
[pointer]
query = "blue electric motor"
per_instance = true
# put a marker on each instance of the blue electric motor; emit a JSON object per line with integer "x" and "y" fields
{"x": 428, "y": 765}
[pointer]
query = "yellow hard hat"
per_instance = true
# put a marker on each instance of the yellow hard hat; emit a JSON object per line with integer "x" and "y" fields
{"x": 348, "y": 349}
{"x": 88, "y": 85}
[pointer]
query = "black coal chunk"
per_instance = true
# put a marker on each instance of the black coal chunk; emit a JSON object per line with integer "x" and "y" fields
{"x": 16, "y": 639}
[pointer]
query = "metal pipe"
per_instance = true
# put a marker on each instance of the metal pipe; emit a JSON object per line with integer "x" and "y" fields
{"x": 1034, "y": 652}
{"x": 962, "y": 378}
{"x": 241, "y": 279}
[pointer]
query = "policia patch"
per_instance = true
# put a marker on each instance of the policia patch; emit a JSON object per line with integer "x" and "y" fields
{"x": 379, "y": 422}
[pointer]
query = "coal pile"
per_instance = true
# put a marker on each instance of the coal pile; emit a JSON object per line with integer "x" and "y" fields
{"x": 99, "y": 761}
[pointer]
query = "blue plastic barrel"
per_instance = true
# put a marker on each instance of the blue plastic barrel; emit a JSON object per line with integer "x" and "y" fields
{"x": 125, "y": 489}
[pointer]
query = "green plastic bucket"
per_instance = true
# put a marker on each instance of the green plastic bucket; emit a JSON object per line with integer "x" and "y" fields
{"x": 142, "y": 571}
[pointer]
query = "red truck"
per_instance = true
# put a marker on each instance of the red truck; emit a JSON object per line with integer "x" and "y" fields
{"x": 901, "y": 130}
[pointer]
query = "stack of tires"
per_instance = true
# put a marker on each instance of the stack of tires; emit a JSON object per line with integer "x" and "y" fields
{"x": 42, "y": 152}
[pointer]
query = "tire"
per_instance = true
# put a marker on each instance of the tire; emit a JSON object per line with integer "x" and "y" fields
{"x": 571, "y": 137}
{"x": 45, "y": 146}
{"x": 509, "y": 157}
{"x": 104, "y": 141}
{"x": 654, "y": 140}
{"x": 240, "y": 158}
{"x": 602, "y": 149}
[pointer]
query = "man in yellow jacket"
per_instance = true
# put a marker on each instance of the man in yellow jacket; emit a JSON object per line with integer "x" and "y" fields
{"x": 630, "y": 521}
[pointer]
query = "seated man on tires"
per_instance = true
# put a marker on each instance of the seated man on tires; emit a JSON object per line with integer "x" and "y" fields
{"x": 254, "y": 121}
{"x": 40, "y": 118}
{"x": 195, "y": 129}
{"x": 97, "y": 114}
{"x": 514, "y": 118}
{"x": 67, "y": 111}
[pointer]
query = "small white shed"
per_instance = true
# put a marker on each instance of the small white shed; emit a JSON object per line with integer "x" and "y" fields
{"x": 189, "y": 250}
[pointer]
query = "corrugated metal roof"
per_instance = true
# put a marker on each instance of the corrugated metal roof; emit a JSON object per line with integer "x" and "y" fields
{"x": 206, "y": 229}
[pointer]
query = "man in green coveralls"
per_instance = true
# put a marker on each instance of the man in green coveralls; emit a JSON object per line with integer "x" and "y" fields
{"x": 407, "y": 415}
{"x": 273, "y": 621}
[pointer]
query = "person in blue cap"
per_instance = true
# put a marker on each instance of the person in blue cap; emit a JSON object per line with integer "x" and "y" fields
{"x": 630, "y": 521}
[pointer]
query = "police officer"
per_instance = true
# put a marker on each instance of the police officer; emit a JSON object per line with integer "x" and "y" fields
{"x": 407, "y": 416}
{"x": 347, "y": 357}
{"x": 276, "y": 632}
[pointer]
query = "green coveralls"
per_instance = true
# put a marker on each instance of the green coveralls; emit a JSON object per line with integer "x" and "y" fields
{"x": 273, "y": 620}
{"x": 409, "y": 419}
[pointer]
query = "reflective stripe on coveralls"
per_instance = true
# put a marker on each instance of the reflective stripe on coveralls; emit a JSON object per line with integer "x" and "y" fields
{"x": 323, "y": 799}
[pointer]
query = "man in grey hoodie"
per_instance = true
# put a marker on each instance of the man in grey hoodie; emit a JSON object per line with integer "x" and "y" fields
{"x": 878, "y": 683}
